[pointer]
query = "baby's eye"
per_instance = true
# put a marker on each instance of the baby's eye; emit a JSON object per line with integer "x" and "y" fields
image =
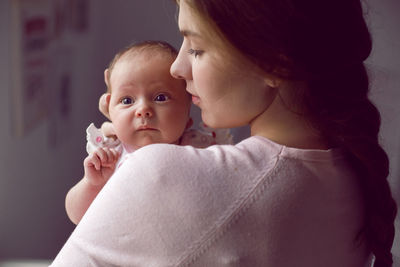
{"x": 161, "y": 98}
{"x": 195, "y": 52}
{"x": 126, "y": 101}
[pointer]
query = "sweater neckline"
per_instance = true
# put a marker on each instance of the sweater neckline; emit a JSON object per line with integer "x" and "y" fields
{"x": 305, "y": 154}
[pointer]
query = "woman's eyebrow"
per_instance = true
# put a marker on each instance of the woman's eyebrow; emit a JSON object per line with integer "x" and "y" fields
{"x": 188, "y": 33}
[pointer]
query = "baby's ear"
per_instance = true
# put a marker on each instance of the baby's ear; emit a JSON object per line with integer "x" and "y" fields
{"x": 104, "y": 103}
{"x": 106, "y": 77}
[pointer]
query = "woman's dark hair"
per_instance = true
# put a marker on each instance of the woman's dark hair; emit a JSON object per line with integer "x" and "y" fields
{"x": 324, "y": 44}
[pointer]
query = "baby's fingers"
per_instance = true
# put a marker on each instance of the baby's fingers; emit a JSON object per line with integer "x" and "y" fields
{"x": 102, "y": 154}
{"x": 114, "y": 154}
{"x": 108, "y": 156}
{"x": 93, "y": 160}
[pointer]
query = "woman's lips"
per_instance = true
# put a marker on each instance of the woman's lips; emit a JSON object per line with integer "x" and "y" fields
{"x": 195, "y": 99}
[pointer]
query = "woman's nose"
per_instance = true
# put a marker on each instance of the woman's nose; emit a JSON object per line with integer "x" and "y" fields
{"x": 181, "y": 68}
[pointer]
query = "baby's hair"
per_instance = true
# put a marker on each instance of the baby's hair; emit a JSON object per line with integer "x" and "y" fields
{"x": 150, "y": 46}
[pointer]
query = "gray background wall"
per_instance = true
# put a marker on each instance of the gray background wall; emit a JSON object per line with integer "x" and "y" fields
{"x": 37, "y": 170}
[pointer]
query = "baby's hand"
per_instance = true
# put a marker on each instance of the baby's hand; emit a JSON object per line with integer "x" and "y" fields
{"x": 100, "y": 165}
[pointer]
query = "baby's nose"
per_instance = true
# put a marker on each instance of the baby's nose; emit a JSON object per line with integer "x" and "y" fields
{"x": 144, "y": 111}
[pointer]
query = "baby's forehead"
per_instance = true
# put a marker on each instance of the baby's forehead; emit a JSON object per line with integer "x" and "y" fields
{"x": 133, "y": 62}
{"x": 153, "y": 71}
{"x": 148, "y": 53}
{"x": 146, "y": 60}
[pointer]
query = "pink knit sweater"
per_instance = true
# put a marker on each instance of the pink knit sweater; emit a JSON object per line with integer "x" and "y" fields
{"x": 253, "y": 204}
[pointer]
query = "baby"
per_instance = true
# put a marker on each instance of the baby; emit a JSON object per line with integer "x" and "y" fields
{"x": 146, "y": 105}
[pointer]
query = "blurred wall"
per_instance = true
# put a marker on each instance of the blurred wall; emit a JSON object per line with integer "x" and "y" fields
{"x": 36, "y": 171}
{"x": 384, "y": 69}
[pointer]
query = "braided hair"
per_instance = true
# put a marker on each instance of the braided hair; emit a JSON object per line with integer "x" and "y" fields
{"x": 323, "y": 44}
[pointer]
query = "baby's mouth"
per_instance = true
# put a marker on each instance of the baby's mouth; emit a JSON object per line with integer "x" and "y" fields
{"x": 146, "y": 128}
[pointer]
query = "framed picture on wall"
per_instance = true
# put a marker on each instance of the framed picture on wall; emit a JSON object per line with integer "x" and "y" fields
{"x": 30, "y": 38}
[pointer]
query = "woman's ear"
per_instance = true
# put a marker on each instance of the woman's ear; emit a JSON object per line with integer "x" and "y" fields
{"x": 272, "y": 81}
{"x": 104, "y": 103}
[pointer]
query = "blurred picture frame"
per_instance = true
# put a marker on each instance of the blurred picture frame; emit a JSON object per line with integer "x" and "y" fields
{"x": 30, "y": 37}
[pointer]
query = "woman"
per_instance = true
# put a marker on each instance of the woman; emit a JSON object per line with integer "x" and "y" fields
{"x": 308, "y": 188}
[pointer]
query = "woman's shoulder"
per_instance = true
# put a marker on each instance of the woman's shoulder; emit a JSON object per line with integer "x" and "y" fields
{"x": 195, "y": 193}
{"x": 254, "y": 154}
{"x": 251, "y": 151}
{"x": 229, "y": 170}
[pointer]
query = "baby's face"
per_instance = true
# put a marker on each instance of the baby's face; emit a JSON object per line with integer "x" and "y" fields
{"x": 147, "y": 104}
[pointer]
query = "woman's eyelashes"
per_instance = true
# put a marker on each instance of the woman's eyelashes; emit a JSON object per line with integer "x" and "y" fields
{"x": 195, "y": 52}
